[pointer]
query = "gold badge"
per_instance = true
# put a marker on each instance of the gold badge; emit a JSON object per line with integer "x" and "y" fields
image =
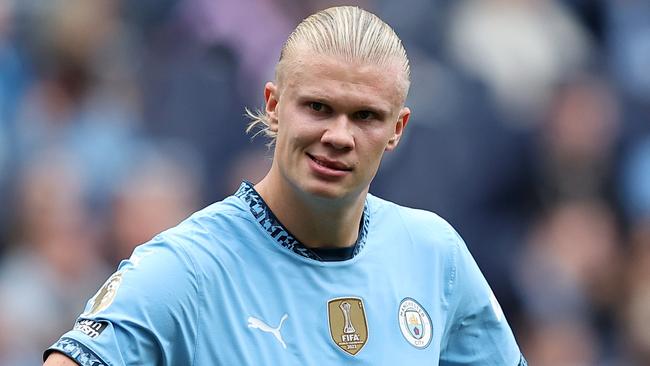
{"x": 104, "y": 297}
{"x": 348, "y": 325}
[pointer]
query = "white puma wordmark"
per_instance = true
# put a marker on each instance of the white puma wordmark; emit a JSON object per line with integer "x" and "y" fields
{"x": 256, "y": 323}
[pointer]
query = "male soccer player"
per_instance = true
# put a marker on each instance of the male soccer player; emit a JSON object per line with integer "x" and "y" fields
{"x": 306, "y": 267}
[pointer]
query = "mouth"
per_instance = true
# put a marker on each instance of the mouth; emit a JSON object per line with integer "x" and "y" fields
{"x": 330, "y": 164}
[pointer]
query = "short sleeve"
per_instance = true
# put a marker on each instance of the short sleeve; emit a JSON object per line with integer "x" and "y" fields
{"x": 145, "y": 313}
{"x": 478, "y": 333}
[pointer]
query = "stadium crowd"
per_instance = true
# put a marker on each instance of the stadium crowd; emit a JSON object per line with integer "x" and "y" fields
{"x": 530, "y": 133}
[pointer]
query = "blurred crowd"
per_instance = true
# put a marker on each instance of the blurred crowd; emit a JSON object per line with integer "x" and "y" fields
{"x": 530, "y": 133}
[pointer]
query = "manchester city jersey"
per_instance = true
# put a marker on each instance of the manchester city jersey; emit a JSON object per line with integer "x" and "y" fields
{"x": 231, "y": 286}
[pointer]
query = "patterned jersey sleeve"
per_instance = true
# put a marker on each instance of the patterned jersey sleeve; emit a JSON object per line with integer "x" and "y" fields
{"x": 143, "y": 314}
{"x": 478, "y": 333}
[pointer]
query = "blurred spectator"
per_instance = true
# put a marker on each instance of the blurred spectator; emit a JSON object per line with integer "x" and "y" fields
{"x": 578, "y": 142}
{"x": 575, "y": 249}
{"x": 520, "y": 48}
{"x": 161, "y": 188}
{"x": 554, "y": 343}
{"x": 571, "y": 264}
{"x": 54, "y": 264}
{"x": 636, "y": 307}
{"x": 254, "y": 29}
{"x": 569, "y": 273}
{"x": 80, "y": 100}
{"x": 14, "y": 76}
{"x": 191, "y": 92}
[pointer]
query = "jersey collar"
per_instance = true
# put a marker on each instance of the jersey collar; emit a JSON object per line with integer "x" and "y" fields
{"x": 281, "y": 235}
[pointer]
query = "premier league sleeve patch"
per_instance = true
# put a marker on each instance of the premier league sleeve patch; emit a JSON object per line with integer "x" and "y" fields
{"x": 89, "y": 327}
{"x": 106, "y": 294}
{"x": 415, "y": 323}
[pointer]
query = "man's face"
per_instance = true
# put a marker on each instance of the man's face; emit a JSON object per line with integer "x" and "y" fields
{"x": 334, "y": 120}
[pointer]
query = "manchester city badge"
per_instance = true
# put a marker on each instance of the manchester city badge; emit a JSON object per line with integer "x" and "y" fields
{"x": 414, "y": 323}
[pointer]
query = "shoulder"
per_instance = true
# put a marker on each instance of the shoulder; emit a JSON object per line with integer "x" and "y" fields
{"x": 414, "y": 216}
{"x": 421, "y": 225}
{"x": 220, "y": 223}
{"x": 223, "y": 214}
{"x": 178, "y": 252}
{"x": 210, "y": 243}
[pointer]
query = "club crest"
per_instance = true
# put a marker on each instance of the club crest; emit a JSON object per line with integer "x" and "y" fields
{"x": 414, "y": 323}
{"x": 347, "y": 323}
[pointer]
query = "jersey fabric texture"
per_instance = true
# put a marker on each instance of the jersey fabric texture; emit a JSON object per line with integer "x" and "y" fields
{"x": 231, "y": 286}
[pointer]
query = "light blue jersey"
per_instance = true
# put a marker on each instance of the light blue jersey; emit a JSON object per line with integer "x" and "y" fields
{"x": 231, "y": 286}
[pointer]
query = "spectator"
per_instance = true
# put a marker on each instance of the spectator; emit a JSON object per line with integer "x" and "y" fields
{"x": 55, "y": 261}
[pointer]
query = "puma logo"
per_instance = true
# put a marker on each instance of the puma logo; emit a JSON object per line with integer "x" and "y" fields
{"x": 258, "y": 324}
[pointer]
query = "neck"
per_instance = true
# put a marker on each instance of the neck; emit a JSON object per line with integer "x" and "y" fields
{"x": 317, "y": 222}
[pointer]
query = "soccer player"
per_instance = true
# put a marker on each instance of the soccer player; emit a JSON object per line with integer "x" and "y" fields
{"x": 306, "y": 267}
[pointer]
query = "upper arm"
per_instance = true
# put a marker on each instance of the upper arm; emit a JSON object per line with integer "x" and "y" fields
{"x": 478, "y": 332}
{"x": 59, "y": 359}
{"x": 146, "y": 310}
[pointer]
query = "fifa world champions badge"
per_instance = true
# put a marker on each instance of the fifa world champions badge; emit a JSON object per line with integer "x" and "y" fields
{"x": 348, "y": 324}
{"x": 414, "y": 323}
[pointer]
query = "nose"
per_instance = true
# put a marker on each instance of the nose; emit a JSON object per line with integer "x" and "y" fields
{"x": 338, "y": 134}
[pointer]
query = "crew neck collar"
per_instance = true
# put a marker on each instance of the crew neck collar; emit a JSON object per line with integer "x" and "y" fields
{"x": 283, "y": 237}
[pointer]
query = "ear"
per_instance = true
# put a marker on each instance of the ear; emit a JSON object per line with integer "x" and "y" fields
{"x": 400, "y": 125}
{"x": 271, "y": 98}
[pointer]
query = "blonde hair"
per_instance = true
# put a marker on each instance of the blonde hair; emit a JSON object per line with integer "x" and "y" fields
{"x": 344, "y": 31}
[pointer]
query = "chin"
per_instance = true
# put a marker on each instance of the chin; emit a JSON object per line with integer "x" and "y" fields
{"x": 330, "y": 190}
{"x": 320, "y": 191}
{"x": 323, "y": 190}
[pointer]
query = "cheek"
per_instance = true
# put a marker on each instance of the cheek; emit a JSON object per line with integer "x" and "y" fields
{"x": 376, "y": 142}
{"x": 371, "y": 150}
{"x": 302, "y": 131}
{"x": 296, "y": 134}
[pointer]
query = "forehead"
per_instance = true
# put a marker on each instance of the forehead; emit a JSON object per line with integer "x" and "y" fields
{"x": 333, "y": 77}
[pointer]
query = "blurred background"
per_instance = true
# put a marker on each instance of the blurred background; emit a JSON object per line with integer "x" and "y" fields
{"x": 530, "y": 133}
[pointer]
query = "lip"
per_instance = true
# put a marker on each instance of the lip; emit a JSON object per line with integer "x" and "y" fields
{"x": 327, "y": 167}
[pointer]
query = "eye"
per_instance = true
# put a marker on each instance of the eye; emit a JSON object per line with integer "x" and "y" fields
{"x": 364, "y": 115}
{"x": 317, "y": 107}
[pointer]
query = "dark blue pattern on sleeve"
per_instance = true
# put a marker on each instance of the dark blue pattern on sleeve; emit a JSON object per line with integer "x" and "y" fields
{"x": 78, "y": 352}
{"x": 522, "y": 361}
{"x": 282, "y": 236}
